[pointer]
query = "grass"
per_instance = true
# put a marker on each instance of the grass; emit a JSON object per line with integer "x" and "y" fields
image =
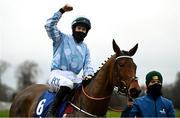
{"x": 110, "y": 114}
{"x": 177, "y": 113}
{"x": 4, "y": 113}
{"x": 113, "y": 114}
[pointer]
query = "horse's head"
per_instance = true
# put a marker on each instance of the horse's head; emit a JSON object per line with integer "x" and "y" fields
{"x": 124, "y": 70}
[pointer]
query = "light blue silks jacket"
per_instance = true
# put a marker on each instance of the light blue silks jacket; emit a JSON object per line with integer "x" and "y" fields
{"x": 67, "y": 54}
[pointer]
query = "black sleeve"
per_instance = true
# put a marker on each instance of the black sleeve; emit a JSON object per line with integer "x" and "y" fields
{"x": 61, "y": 10}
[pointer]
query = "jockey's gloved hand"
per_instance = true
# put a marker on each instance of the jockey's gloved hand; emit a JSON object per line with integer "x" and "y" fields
{"x": 86, "y": 80}
{"x": 87, "y": 77}
{"x": 66, "y": 8}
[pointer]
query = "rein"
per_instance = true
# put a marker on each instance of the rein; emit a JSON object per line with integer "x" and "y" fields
{"x": 94, "y": 98}
{"x": 89, "y": 114}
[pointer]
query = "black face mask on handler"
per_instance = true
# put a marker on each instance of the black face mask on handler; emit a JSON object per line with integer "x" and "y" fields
{"x": 79, "y": 36}
{"x": 155, "y": 90}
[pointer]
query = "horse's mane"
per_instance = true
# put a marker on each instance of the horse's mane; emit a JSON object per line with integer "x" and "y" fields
{"x": 123, "y": 53}
{"x": 102, "y": 65}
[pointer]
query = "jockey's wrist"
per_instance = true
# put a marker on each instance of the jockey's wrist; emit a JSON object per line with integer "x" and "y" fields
{"x": 61, "y": 10}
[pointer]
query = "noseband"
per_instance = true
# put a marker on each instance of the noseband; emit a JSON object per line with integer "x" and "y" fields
{"x": 122, "y": 89}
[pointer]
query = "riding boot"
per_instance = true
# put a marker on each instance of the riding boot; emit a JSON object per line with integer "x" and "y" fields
{"x": 53, "y": 110}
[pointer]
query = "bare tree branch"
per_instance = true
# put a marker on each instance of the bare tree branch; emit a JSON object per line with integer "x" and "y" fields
{"x": 26, "y": 74}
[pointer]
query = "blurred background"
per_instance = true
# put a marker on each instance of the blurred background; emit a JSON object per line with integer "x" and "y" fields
{"x": 26, "y": 50}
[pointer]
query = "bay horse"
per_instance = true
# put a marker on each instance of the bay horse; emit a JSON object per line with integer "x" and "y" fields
{"x": 92, "y": 100}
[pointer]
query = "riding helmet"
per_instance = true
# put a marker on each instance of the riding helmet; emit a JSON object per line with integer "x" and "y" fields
{"x": 81, "y": 21}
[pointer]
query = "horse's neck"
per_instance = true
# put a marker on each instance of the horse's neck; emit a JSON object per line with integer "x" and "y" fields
{"x": 96, "y": 96}
{"x": 102, "y": 84}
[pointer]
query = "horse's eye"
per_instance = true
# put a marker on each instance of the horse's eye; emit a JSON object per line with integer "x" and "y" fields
{"x": 121, "y": 65}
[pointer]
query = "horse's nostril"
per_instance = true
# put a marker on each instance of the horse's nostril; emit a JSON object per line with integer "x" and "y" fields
{"x": 134, "y": 93}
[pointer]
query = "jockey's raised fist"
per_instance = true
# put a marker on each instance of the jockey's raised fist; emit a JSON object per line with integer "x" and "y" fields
{"x": 67, "y": 8}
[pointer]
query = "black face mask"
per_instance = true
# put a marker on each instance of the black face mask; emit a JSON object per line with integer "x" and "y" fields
{"x": 155, "y": 90}
{"x": 79, "y": 36}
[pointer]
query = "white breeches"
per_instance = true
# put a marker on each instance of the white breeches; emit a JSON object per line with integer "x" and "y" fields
{"x": 59, "y": 78}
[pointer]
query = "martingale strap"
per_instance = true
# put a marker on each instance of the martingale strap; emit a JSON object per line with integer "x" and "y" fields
{"x": 94, "y": 98}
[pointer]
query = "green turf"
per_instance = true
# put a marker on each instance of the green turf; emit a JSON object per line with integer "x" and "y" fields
{"x": 111, "y": 114}
{"x": 4, "y": 113}
{"x": 177, "y": 113}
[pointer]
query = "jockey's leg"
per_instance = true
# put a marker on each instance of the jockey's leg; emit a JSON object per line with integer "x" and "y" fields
{"x": 53, "y": 111}
{"x": 62, "y": 86}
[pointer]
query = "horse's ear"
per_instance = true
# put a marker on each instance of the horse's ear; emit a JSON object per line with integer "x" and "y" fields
{"x": 116, "y": 48}
{"x": 133, "y": 50}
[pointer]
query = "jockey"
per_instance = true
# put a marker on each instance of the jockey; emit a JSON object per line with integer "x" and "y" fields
{"x": 70, "y": 56}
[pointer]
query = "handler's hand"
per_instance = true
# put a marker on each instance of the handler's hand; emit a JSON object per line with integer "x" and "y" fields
{"x": 130, "y": 102}
{"x": 67, "y": 8}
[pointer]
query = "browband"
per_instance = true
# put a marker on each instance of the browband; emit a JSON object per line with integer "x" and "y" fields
{"x": 123, "y": 57}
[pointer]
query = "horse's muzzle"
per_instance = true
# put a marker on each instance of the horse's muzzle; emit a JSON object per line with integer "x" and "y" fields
{"x": 134, "y": 93}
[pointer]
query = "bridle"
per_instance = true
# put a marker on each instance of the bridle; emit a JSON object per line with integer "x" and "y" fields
{"x": 123, "y": 87}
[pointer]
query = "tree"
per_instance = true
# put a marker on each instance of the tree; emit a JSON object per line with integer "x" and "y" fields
{"x": 167, "y": 91}
{"x": 3, "y": 67}
{"x": 3, "y": 88}
{"x": 6, "y": 93}
{"x": 26, "y": 74}
{"x": 176, "y": 95}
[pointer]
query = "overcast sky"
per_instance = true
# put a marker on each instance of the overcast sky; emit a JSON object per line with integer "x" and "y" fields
{"x": 153, "y": 24}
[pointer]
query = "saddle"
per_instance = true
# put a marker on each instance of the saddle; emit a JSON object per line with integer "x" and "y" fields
{"x": 47, "y": 98}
